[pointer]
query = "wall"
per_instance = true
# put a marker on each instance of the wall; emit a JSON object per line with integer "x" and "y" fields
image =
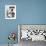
{"x": 33, "y": 27}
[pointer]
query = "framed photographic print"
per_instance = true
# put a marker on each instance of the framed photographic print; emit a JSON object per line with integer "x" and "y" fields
{"x": 10, "y": 11}
{"x": 31, "y": 32}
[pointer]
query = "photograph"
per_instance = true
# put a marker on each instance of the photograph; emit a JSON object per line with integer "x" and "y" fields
{"x": 10, "y": 11}
{"x": 28, "y": 33}
{"x": 22, "y": 22}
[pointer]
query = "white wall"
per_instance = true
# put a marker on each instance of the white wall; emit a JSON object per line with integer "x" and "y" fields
{"x": 41, "y": 27}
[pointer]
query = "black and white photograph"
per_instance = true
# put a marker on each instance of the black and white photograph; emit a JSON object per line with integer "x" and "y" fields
{"x": 31, "y": 34}
{"x": 10, "y": 11}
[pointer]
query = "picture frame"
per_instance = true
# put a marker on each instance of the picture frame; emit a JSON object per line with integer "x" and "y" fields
{"x": 10, "y": 11}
